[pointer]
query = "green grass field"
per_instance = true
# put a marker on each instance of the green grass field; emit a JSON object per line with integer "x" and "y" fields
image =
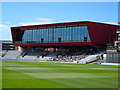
{"x": 57, "y": 75}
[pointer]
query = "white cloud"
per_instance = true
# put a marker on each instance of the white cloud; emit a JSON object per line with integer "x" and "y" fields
{"x": 39, "y": 23}
{"x": 5, "y": 33}
{"x": 34, "y": 23}
{"x": 66, "y": 21}
{"x": 44, "y": 19}
{"x": 3, "y": 27}
{"x": 7, "y": 22}
{"x": 49, "y": 22}
{"x": 114, "y": 23}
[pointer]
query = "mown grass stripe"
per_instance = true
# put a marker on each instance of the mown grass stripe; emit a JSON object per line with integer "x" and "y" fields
{"x": 59, "y": 74}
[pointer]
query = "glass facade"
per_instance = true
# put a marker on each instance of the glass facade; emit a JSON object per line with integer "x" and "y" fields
{"x": 56, "y": 34}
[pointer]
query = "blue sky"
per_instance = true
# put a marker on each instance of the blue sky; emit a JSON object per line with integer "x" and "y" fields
{"x": 29, "y": 13}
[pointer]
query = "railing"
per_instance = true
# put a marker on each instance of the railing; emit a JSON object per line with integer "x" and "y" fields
{"x": 113, "y": 48}
{"x": 49, "y": 41}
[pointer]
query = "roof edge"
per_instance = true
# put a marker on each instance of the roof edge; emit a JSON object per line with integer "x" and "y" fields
{"x": 64, "y": 23}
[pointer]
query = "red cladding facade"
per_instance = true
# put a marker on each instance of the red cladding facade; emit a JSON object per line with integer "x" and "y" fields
{"x": 100, "y": 34}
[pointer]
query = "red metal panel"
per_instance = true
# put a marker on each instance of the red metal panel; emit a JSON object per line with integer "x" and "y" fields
{"x": 55, "y": 44}
{"x": 13, "y": 35}
{"x": 100, "y": 34}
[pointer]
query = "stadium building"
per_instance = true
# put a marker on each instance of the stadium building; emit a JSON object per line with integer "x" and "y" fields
{"x": 64, "y": 34}
{"x": 7, "y": 45}
{"x": 83, "y": 37}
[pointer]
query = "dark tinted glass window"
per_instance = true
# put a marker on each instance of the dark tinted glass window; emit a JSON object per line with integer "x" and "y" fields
{"x": 56, "y": 34}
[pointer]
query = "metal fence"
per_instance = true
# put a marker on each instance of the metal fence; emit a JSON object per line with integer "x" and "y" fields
{"x": 113, "y": 57}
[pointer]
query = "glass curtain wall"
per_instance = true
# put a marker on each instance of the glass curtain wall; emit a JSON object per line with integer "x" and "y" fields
{"x": 56, "y": 34}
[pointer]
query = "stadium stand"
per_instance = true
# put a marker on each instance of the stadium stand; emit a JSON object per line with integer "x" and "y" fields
{"x": 89, "y": 59}
{"x": 79, "y": 42}
{"x": 2, "y": 53}
{"x": 11, "y": 55}
{"x": 81, "y": 56}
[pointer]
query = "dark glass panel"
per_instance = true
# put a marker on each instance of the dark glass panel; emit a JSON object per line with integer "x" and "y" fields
{"x": 65, "y": 34}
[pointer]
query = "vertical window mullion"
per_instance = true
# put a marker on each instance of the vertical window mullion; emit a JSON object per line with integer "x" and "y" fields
{"x": 48, "y": 35}
{"x": 33, "y": 35}
{"x": 28, "y": 35}
{"x": 83, "y": 32}
{"x": 44, "y": 35}
{"x": 55, "y": 34}
{"x": 81, "y": 37}
{"x": 63, "y": 40}
{"x": 61, "y": 36}
{"x": 39, "y": 36}
{"x": 36, "y": 35}
{"x": 76, "y": 34}
{"x": 72, "y": 34}
{"x": 67, "y": 33}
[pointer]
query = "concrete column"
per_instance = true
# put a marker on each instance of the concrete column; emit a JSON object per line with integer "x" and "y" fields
{"x": 16, "y": 48}
{"x": 20, "y": 49}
